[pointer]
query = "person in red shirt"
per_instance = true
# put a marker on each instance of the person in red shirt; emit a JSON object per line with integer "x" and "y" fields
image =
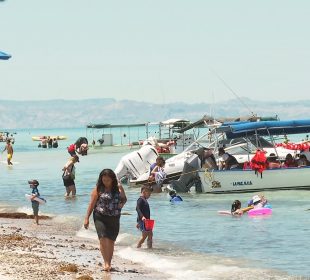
{"x": 80, "y": 147}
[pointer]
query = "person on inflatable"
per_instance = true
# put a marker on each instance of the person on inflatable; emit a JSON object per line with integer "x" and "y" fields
{"x": 80, "y": 147}
{"x": 258, "y": 201}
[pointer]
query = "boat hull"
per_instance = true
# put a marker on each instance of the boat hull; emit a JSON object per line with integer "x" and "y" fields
{"x": 237, "y": 181}
{"x": 114, "y": 148}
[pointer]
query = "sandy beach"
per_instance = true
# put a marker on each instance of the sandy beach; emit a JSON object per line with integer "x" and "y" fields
{"x": 50, "y": 251}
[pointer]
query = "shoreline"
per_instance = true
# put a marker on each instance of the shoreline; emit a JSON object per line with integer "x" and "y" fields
{"x": 49, "y": 251}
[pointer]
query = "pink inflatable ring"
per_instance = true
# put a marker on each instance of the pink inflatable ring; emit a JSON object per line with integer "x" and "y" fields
{"x": 260, "y": 211}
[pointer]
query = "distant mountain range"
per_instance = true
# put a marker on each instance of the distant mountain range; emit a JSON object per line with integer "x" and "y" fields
{"x": 78, "y": 113}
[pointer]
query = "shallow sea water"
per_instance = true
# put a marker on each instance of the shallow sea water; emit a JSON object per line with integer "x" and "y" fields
{"x": 191, "y": 239}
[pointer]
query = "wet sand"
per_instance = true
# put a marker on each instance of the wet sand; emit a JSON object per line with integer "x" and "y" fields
{"x": 50, "y": 251}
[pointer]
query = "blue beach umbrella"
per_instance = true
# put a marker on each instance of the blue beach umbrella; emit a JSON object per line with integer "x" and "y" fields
{"x": 4, "y": 56}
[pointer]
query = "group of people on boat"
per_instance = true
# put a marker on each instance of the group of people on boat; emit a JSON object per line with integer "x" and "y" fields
{"x": 273, "y": 162}
{"x": 226, "y": 160}
{"x": 259, "y": 162}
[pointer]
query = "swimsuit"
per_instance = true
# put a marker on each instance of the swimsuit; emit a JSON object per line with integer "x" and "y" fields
{"x": 107, "y": 215}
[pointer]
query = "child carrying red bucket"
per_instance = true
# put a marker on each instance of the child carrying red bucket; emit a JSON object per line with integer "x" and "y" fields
{"x": 144, "y": 223}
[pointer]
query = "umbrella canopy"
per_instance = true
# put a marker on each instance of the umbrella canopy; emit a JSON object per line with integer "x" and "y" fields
{"x": 4, "y": 56}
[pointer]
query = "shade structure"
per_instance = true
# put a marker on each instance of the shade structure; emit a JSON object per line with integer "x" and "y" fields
{"x": 266, "y": 128}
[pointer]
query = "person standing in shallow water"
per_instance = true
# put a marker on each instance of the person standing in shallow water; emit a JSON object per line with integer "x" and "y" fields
{"x": 68, "y": 176}
{"x": 107, "y": 200}
{"x": 9, "y": 148}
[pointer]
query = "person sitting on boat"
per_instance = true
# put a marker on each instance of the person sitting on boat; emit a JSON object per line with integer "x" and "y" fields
{"x": 174, "y": 197}
{"x": 209, "y": 160}
{"x": 157, "y": 174}
{"x": 160, "y": 162}
{"x": 227, "y": 161}
{"x": 80, "y": 147}
{"x": 289, "y": 161}
{"x": 273, "y": 162}
{"x": 302, "y": 161}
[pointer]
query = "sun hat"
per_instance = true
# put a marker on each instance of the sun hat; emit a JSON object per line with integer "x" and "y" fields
{"x": 256, "y": 199}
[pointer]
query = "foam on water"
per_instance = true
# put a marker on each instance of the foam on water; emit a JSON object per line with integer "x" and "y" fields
{"x": 193, "y": 266}
{"x": 89, "y": 233}
{"x": 25, "y": 209}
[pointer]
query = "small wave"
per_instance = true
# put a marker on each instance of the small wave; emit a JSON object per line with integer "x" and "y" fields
{"x": 25, "y": 209}
{"x": 88, "y": 234}
{"x": 194, "y": 266}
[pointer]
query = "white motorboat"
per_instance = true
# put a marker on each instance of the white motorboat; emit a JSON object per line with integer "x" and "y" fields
{"x": 226, "y": 181}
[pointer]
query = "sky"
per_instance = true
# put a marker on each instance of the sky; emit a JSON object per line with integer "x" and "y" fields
{"x": 158, "y": 51}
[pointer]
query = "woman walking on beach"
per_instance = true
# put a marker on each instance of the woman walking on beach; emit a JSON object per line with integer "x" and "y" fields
{"x": 107, "y": 200}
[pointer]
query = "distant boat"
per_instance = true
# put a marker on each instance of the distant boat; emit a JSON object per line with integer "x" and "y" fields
{"x": 40, "y": 138}
{"x": 124, "y": 133}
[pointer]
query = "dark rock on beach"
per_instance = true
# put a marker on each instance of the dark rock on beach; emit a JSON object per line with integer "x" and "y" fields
{"x": 21, "y": 216}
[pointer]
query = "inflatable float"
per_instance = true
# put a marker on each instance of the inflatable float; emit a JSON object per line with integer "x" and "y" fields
{"x": 39, "y": 199}
{"x": 223, "y": 212}
{"x": 260, "y": 212}
{"x": 40, "y": 138}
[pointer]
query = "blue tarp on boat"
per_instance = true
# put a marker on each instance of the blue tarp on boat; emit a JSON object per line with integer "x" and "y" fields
{"x": 265, "y": 128}
{"x": 4, "y": 56}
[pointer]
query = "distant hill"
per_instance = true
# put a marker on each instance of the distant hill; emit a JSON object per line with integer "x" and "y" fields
{"x": 78, "y": 113}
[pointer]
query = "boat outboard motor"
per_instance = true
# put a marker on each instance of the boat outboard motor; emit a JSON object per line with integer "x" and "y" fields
{"x": 136, "y": 163}
{"x": 189, "y": 176}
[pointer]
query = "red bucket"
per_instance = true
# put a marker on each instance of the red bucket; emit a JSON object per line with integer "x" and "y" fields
{"x": 149, "y": 224}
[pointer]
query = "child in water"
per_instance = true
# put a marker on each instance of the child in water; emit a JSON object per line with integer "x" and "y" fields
{"x": 35, "y": 204}
{"x": 143, "y": 211}
{"x": 174, "y": 197}
{"x": 236, "y": 208}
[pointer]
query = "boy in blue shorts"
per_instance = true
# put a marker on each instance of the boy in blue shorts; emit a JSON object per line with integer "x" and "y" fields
{"x": 143, "y": 211}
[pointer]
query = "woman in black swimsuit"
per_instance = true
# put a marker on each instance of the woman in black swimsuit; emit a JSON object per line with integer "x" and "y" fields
{"x": 106, "y": 203}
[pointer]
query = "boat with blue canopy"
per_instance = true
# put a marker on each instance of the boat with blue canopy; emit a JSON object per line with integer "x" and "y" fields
{"x": 242, "y": 179}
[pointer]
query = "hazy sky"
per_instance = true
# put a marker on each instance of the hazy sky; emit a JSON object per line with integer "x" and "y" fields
{"x": 159, "y": 51}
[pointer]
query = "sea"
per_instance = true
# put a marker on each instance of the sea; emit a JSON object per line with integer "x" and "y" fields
{"x": 191, "y": 240}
